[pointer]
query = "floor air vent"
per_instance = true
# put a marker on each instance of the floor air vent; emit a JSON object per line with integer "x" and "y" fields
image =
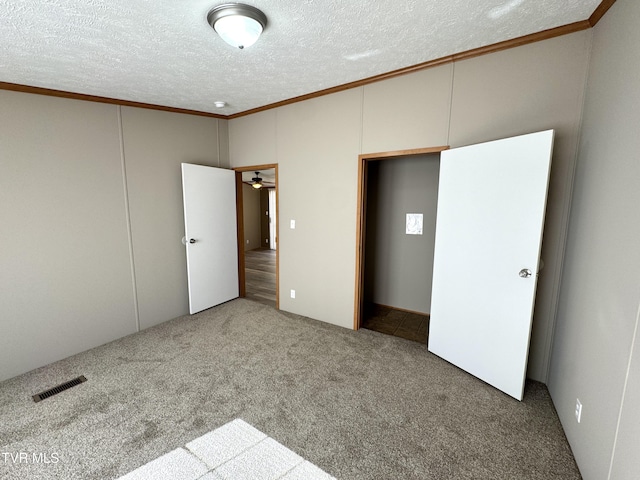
{"x": 59, "y": 388}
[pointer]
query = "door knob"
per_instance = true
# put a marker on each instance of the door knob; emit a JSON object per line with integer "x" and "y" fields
{"x": 192, "y": 240}
{"x": 525, "y": 273}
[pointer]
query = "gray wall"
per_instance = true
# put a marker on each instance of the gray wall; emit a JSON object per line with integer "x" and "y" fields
{"x": 596, "y": 346}
{"x": 155, "y": 144}
{"x": 521, "y": 90}
{"x": 90, "y": 200}
{"x": 251, "y": 214}
{"x": 65, "y": 280}
{"x": 399, "y": 267}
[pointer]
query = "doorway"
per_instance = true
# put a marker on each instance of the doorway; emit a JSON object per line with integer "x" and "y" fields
{"x": 491, "y": 203}
{"x": 258, "y": 255}
{"x": 398, "y": 200}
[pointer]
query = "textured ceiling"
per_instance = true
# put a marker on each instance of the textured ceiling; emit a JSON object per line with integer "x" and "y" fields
{"x": 163, "y": 52}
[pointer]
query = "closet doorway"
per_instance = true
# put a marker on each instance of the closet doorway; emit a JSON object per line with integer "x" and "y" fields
{"x": 257, "y": 206}
{"x": 398, "y": 194}
{"x": 491, "y": 204}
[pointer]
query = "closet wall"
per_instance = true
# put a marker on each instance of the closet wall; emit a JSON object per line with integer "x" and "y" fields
{"x": 398, "y": 267}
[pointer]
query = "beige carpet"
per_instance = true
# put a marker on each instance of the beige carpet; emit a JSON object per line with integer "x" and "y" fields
{"x": 358, "y": 405}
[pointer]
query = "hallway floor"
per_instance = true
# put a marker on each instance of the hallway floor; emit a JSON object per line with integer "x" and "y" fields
{"x": 260, "y": 275}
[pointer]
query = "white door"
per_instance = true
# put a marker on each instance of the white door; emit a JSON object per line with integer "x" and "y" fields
{"x": 272, "y": 219}
{"x": 491, "y": 205}
{"x": 209, "y": 196}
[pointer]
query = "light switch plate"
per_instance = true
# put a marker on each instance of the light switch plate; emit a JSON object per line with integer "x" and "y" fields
{"x": 414, "y": 224}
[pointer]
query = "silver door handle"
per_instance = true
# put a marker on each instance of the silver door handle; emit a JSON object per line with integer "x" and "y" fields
{"x": 525, "y": 273}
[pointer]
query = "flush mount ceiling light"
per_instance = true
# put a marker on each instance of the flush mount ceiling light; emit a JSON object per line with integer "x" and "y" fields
{"x": 257, "y": 181}
{"x": 239, "y": 25}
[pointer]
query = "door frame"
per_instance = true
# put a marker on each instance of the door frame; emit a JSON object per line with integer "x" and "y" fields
{"x": 361, "y": 215}
{"x": 240, "y": 221}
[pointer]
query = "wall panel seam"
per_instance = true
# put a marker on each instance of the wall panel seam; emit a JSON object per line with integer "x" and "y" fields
{"x": 361, "y": 119}
{"x": 453, "y": 73}
{"x": 128, "y": 219}
{"x": 218, "y": 141}
{"x": 569, "y": 187}
{"x": 624, "y": 393}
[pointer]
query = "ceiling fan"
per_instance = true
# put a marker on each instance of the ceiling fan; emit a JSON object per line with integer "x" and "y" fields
{"x": 257, "y": 181}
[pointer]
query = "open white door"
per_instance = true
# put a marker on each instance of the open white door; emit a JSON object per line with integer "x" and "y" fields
{"x": 491, "y": 206}
{"x": 209, "y": 196}
{"x": 272, "y": 219}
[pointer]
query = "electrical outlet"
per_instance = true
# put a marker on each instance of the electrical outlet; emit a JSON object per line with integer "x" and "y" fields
{"x": 293, "y": 294}
{"x": 247, "y": 242}
{"x": 578, "y": 410}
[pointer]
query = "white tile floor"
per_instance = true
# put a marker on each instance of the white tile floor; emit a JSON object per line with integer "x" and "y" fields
{"x": 235, "y": 451}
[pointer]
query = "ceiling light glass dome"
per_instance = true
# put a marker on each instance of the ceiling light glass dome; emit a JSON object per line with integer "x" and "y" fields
{"x": 237, "y": 24}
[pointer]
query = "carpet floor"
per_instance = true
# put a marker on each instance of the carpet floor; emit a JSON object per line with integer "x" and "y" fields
{"x": 358, "y": 405}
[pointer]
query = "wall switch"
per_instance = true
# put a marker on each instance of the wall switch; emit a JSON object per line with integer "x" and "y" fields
{"x": 293, "y": 294}
{"x": 293, "y": 224}
{"x": 247, "y": 242}
{"x": 578, "y": 410}
{"x": 414, "y": 224}
{"x": 266, "y": 240}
